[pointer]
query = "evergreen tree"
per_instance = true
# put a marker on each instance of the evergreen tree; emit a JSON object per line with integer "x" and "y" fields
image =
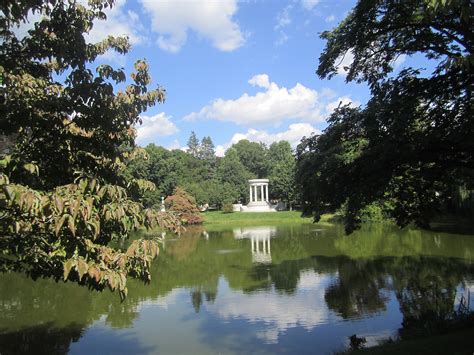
{"x": 194, "y": 145}
{"x": 207, "y": 151}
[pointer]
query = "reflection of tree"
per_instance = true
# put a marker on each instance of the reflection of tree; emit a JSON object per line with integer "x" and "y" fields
{"x": 358, "y": 288}
{"x": 40, "y": 339}
{"x": 426, "y": 291}
{"x": 425, "y": 288}
{"x": 196, "y": 299}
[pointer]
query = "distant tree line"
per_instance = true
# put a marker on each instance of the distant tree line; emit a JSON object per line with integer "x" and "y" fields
{"x": 216, "y": 180}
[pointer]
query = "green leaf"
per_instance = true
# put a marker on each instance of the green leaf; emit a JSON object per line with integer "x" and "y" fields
{"x": 81, "y": 267}
{"x": 67, "y": 266}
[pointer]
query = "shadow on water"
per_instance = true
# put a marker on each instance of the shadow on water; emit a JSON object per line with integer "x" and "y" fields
{"x": 40, "y": 339}
{"x": 48, "y": 339}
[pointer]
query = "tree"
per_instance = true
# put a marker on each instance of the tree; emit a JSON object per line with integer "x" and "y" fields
{"x": 282, "y": 171}
{"x": 63, "y": 198}
{"x": 194, "y": 146}
{"x": 234, "y": 173}
{"x": 208, "y": 152}
{"x": 184, "y": 206}
{"x": 282, "y": 166}
{"x": 413, "y": 139}
{"x": 253, "y": 156}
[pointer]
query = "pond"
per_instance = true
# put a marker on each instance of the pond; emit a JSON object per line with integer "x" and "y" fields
{"x": 263, "y": 289}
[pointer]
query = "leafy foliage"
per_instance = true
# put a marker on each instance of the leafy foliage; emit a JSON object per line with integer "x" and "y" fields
{"x": 63, "y": 198}
{"x": 413, "y": 140}
{"x": 228, "y": 208}
{"x": 253, "y": 156}
{"x": 282, "y": 171}
{"x": 184, "y": 206}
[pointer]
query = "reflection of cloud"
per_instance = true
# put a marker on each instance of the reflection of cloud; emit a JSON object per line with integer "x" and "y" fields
{"x": 164, "y": 302}
{"x": 305, "y": 308}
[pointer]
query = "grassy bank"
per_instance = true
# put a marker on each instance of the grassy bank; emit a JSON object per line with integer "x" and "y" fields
{"x": 257, "y": 218}
{"x": 459, "y": 342}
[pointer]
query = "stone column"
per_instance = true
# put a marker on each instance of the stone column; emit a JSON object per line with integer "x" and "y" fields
{"x": 250, "y": 193}
{"x": 261, "y": 190}
{"x": 266, "y": 193}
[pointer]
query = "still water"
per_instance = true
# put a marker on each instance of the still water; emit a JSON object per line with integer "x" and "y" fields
{"x": 265, "y": 289}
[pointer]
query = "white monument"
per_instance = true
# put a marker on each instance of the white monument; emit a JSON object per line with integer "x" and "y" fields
{"x": 259, "y": 198}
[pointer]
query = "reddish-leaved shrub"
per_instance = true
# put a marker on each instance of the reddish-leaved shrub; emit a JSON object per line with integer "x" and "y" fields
{"x": 184, "y": 205}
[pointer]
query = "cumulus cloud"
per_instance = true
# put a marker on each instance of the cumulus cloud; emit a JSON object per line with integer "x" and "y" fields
{"x": 272, "y": 105}
{"x": 119, "y": 23}
{"x": 212, "y": 20}
{"x": 293, "y": 135}
{"x": 159, "y": 125}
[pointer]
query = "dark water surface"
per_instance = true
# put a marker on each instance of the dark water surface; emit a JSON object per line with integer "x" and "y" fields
{"x": 274, "y": 289}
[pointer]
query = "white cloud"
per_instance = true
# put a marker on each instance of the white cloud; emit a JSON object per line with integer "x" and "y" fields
{"x": 343, "y": 100}
{"x": 293, "y": 135}
{"x": 272, "y": 105}
{"x": 309, "y": 4}
{"x": 118, "y": 23}
{"x": 158, "y": 125}
{"x": 261, "y": 80}
{"x": 344, "y": 62}
{"x": 175, "y": 145}
{"x": 212, "y": 20}
{"x": 330, "y": 18}
{"x": 283, "y": 20}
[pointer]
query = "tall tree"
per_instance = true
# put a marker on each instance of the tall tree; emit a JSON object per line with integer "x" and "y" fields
{"x": 62, "y": 196}
{"x": 194, "y": 145}
{"x": 253, "y": 156}
{"x": 282, "y": 166}
{"x": 208, "y": 152}
{"x": 234, "y": 173}
{"x": 413, "y": 140}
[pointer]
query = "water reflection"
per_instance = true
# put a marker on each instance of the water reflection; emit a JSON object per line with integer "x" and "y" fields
{"x": 259, "y": 241}
{"x": 285, "y": 289}
{"x": 277, "y": 311}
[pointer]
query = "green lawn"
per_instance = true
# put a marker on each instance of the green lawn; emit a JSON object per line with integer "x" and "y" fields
{"x": 255, "y": 218}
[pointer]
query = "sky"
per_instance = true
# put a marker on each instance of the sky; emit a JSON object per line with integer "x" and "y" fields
{"x": 232, "y": 69}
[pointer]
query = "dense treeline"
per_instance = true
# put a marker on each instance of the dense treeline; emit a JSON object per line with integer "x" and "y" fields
{"x": 411, "y": 147}
{"x": 214, "y": 180}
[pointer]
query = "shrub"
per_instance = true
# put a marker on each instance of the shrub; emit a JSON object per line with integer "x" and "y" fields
{"x": 227, "y": 207}
{"x": 184, "y": 205}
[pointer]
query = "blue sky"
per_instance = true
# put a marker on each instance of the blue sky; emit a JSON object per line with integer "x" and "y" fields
{"x": 232, "y": 69}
